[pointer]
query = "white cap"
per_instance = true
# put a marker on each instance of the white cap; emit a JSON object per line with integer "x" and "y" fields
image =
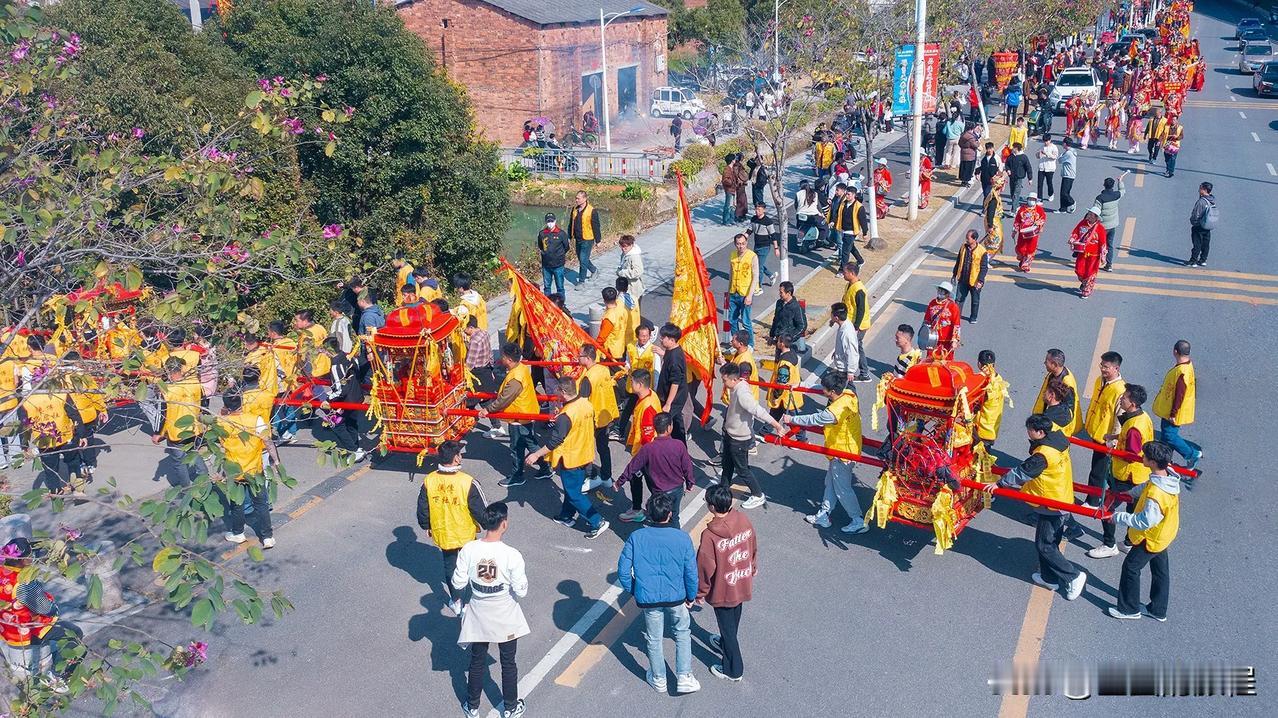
{"x": 1095, "y": 209}
{"x": 946, "y": 286}
{"x": 880, "y": 161}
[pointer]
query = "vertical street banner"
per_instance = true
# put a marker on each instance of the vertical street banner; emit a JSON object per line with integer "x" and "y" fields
{"x": 692, "y": 306}
{"x": 903, "y": 78}
{"x": 1004, "y": 68}
{"x": 554, "y": 334}
{"x": 902, "y": 72}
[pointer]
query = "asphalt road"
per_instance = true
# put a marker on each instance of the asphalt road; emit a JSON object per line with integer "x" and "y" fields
{"x": 877, "y": 623}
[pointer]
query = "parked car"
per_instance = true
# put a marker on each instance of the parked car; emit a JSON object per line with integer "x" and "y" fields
{"x": 1265, "y": 80}
{"x": 1253, "y": 55}
{"x": 1247, "y": 23}
{"x": 684, "y": 81}
{"x": 1252, "y": 36}
{"x": 1150, "y": 34}
{"x": 1073, "y": 81}
{"x": 671, "y": 101}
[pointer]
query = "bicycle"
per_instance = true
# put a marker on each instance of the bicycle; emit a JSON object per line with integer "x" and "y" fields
{"x": 577, "y": 138}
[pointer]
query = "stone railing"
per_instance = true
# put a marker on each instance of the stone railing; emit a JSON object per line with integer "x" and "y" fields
{"x": 640, "y": 166}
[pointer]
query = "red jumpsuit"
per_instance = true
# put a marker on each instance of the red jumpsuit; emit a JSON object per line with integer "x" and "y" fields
{"x": 925, "y": 180}
{"x": 1088, "y": 243}
{"x": 943, "y": 317}
{"x": 1027, "y": 225}
{"x": 882, "y": 185}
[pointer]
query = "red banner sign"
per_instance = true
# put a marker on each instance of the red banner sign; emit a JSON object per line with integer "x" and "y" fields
{"x": 1004, "y": 68}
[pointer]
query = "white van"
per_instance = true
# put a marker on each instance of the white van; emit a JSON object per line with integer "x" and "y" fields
{"x": 672, "y": 101}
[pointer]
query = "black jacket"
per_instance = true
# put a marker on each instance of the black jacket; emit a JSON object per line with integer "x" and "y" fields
{"x": 988, "y": 168}
{"x": 1019, "y": 167}
{"x": 788, "y": 318}
{"x": 574, "y": 223}
{"x": 553, "y": 245}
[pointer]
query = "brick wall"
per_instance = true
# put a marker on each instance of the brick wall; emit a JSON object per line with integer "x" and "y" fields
{"x": 514, "y": 70}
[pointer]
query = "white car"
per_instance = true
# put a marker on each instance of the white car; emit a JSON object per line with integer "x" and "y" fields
{"x": 672, "y": 101}
{"x": 1073, "y": 81}
{"x": 1253, "y": 55}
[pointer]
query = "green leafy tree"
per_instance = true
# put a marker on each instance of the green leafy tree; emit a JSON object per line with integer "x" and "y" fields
{"x": 411, "y": 172}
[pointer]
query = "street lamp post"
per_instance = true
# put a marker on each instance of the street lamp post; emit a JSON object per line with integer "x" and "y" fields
{"x": 916, "y": 132}
{"x": 776, "y": 40}
{"x": 604, "y": 20}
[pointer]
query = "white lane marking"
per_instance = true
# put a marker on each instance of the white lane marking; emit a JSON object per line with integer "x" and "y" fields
{"x": 1233, "y": 99}
{"x": 574, "y": 549}
{"x": 1272, "y": 172}
{"x": 1255, "y": 136}
{"x": 1242, "y": 114}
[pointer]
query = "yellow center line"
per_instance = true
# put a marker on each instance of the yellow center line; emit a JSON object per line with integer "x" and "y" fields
{"x": 597, "y": 648}
{"x": 1104, "y": 286}
{"x": 943, "y": 261}
{"x": 1140, "y": 176}
{"x": 310, "y": 504}
{"x": 1122, "y": 276}
{"x": 1029, "y": 643}
{"x": 1129, "y": 231}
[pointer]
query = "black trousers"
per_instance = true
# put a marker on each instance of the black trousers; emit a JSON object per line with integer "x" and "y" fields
{"x": 1050, "y": 179}
{"x": 1109, "y": 529}
{"x": 1201, "y": 241}
{"x": 1129, "y": 581}
{"x": 346, "y": 431}
{"x": 628, "y": 403}
{"x": 450, "y": 565}
{"x": 1153, "y": 146}
{"x": 961, "y": 293}
{"x": 736, "y": 461}
{"x": 479, "y": 671}
{"x": 966, "y": 169}
{"x": 605, "y": 454}
{"x": 941, "y": 141}
{"x": 1052, "y": 564}
{"x": 729, "y": 620}
{"x": 1099, "y": 477}
{"x": 1067, "y": 200}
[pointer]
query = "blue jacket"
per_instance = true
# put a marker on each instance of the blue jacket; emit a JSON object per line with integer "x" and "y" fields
{"x": 658, "y": 566}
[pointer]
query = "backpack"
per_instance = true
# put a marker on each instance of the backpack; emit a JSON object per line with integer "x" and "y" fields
{"x": 1211, "y": 217}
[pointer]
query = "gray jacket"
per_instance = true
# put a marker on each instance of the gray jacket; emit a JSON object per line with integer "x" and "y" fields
{"x": 1069, "y": 170}
{"x": 1108, "y": 201}
{"x": 741, "y": 411}
{"x": 1200, "y": 210}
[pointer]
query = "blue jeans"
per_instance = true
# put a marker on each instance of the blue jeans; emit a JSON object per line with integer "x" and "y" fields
{"x": 523, "y": 441}
{"x": 729, "y": 207}
{"x": 585, "y": 266}
{"x": 654, "y": 629}
{"x": 552, "y": 277}
{"x": 838, "y": 488}
{"x": 739, "y": 315}
{"x": 576, "y": 502}
{"x": 763, "y": 253}
{"x": 1171, "y": 435}
{"x": 284, "y": 421}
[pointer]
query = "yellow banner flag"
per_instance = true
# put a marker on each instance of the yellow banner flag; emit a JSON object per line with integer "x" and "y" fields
{"x": 692, "y": 306}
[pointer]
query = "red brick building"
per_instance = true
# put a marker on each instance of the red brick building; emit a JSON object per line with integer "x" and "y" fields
{"x": 520, "y": 59}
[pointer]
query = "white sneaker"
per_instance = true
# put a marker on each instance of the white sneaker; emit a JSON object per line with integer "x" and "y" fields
{"x": 234, "y": 538}
{"x": 686, "y": 683}
{"x": 497, "y": 433}
{"x": 1102, "y": 552}
{"x": 268, "y": 542}
{"x": 287, "y": 437}
{"x": 819, "y": 520}
{"x": 717, "y": 671}
{"x": 754, "y": 502}
{"x": 358, "y": 456}
{"x": 456, "y": 607}
{"x": 1075, "y": 588}
{"x": 658, "y": 684}
{"x": 1038, "y": 580}
{"x": 855, "y": 528}
{"x": 754, "y": 450}
{"x": 1115, "y": 613}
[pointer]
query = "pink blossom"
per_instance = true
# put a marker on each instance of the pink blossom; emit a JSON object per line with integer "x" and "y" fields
{"x": 138, "y": 133}
{"x": 69, "y": 533}
{"x": 294, "y": 125}
{"x": 264, "y": 83}
{"x": 10, "y": 551}
{"x": 332, "y": 231}
{"x": 350, "y": 111}
{"x": 277, "y": 80}
{"x": 21, "y": 258}
{"x": 195, "y": 653}
{"x": 20, "y": 52}
{"x": 321, "y": 78}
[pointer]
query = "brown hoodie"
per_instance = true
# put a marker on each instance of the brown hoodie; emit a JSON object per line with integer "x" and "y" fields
{"x": 727, "y": 560}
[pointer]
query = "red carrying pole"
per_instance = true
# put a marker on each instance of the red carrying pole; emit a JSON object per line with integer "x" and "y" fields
{"x": 502, "y": 415}
{"x": 800, "y": 389}
{"x": 316, "y": 403}
{"x": 490, "y": 395}
{"x": 1127, "y": 455}
{"x": 550, "y": 363}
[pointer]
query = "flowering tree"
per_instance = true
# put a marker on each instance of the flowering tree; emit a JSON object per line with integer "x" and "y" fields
{"x": 82, "y": 208}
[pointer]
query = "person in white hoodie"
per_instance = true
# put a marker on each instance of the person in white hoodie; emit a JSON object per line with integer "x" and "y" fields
{"x": 495, "y": 574}
{"x": 1152, "y": 527}
{"x": 631, "y": 266}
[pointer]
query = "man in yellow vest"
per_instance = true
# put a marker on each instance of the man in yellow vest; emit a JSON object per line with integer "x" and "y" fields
{"x": 310, "y": 336}
{"x": 990, "y": 416}
{"x": 841, "y": 419}
{"x": 518, "y": 395}
{"x": 1045, "y": 473}
{"x": 1175, "y": 404}
{"x": 49, "y": 421}
{"x": 1055, "y": 365}
{"x": 450, "y": 507}
{"x": 641, "y": 355}
{"x": 472, "y": 300}
{"x": 403, "y": 273}
{"x": 246, "y": 439}
{"x": 571, "y": 448}
{"x": 612, "y": 328}
{"x": 743, "y": 282}
{"x": 179, "y": 427}
{"x": 786, "y": 373}
{"x": 1135, "y": 430}
{"x": 91, "y": 403}
{"x": 1102, "y": 418}
{"x": 1151, "y": 529}
{"x": 597, "y": 385}
{"x": 970, "y": 267}
{"x": 583, "y": 230}
{"x": 858, "y": 303}
{"x": 14, "y": 353}
{"x": 285, "y": 350}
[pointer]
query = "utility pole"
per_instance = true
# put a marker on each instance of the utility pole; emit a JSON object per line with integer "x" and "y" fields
{"x": 197, "y": 20}
{"x": 916, "y": 131}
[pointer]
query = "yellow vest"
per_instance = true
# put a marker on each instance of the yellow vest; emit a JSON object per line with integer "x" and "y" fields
{"x": 634, "y": 441}
{"x": 87, "y": 399}
{"x": 9, "y": 383}
{"x": 1167, "y": 394}
{"x": 242, "y": 445}
{"x": 478, "y": 309}
{"x": 990, "y": 416}
{"x": 639, "y": 358}
{"x": 974, "y": 273}
{"x": 401, "y": 279}
{"x": 1102, "y": 410}
{"x": 614, "y": 344}
{"x": 749, "y": 372}
{"x": 190, "y": 358}
{"x": 578, "y": 449}
{"x": 182, "y": 399}
{"x": 154, "y": 359}
{"x": 451, "y": 525}
{"x": 321, "y": 365}
{"x": 587, "y": 221}
{"x": 1134, "y": 472}
{"x": 634, "y": 316}
{"x": 260, "y": 402}
{"x": 268, "y": 376}
{"x": 1055, "y": 482}
{"x": 1041, "y": 401}
{"x": 51, "y": 427}
{"x": 1158, "y": 537}
{"x": 791, "y": 400}
{"x": 526, "y": 401}
{"x": 285, "y": 351}
{"x": 603, "y": 398}
{"x": 312, "y": 338}
{"x": 845, "y": 433}
{"x": 849, "y": 298}
{"x": 741, "y": 281}
{"x": 856, "y": 218}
